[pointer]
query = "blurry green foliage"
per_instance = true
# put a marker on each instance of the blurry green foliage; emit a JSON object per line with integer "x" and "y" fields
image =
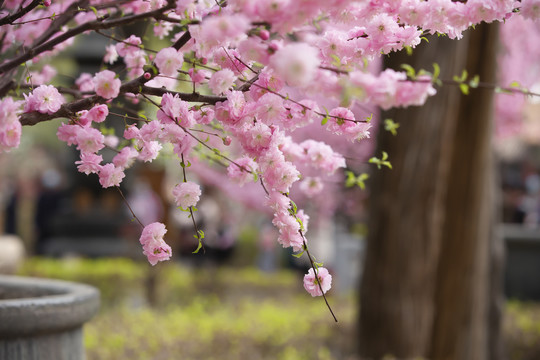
{"x": 204, "y": 313}
{"x": 522, "y": 330}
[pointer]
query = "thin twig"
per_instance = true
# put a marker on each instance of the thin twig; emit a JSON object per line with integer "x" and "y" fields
{"x": 317, "y": 275}
{"x": 183, "y": 165}
{"x": 129, "y": 207}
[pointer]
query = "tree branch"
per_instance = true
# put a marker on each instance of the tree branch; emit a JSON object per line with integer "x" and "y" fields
{"x": 23, "y": 11}
{"x": 93, "y": 25}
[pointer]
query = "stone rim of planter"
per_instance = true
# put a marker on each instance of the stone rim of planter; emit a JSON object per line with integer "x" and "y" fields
{"x": 31, "y": 306}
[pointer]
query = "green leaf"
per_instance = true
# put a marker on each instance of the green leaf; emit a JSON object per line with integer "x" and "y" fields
{"x": 474, "y": 81}
{"x": 336, "y": 60}
{"x": 464, "y": 89}
{"x": 500, "y": 90}
{"x": 390, "y": 125}
{"x": 411, "y": 73}
{"x": 299, "y": 255}
{"x": 351, "y": 179}
{"x": 409, "y": 50}
{"x": 324, "y": 120}
{"x": 369, "y": 118}
{"x": 375, "y": 161}
{"x": 436, "y": 71}
{"x": 198, "y": 247}
{"x": 360, "y": 180}
{"x": 462, "y": 78}
{"x": 294, "y": 207}
{"x": 381, "y": 162}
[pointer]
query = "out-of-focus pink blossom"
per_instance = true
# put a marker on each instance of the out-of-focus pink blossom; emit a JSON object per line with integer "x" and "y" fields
{"x": 221, "y": 81}
{"x": 169, "y": 61}
{"x": 296, "y": 64}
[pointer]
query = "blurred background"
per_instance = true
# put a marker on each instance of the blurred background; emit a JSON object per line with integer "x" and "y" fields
{"x": 243, "y": 296}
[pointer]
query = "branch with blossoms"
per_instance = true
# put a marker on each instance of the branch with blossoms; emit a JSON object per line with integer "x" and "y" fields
{"x": 256, "y": 78}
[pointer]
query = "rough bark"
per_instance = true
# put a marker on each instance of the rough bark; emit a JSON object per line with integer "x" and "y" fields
{"x": 461, "y": 324}
{"x": 425, "y": 282}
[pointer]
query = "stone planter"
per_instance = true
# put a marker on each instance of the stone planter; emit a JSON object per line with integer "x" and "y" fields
{"x": 42, "y": 319}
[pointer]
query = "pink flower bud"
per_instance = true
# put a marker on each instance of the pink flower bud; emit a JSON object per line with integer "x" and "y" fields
{"x": 147, "y": 75}
{"x": 264, "y": 34}
{"x": 227, "y": 140}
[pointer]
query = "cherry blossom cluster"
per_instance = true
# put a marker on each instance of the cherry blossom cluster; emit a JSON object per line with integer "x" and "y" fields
{"x": 242, "y": 81}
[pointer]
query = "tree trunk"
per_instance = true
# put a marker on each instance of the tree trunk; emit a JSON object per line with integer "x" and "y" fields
{"x": 425, "y": 283}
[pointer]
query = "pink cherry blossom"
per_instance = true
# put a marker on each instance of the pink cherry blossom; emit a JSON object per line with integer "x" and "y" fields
{"x": 106, "y": 85}
{"x": 125, "y": 158}
{"x": 111, "y": 55}
{"x": 130, "y": 46}
{"x": 131, "y": 132}
{"x": 45, "y": 99}
{"x": 169, "y": 61}
{"x": 175, "y": 110}
{"x": 296, "y": 64}
{"x": 97, "y": 114}
{"x": 109, "y": 175}
{"x": 85, "y": 82}
{"x": 68, "y": 133}
{"x": 90, "y": 163}
{"x": 311, "y": 282}
{"x": 154, "y": 246}
{"x": 221, "y": 81}
{"x": 289, "y": 227}
{"x": 10, "y": 127}
{"x": 311, "y": 186}
{"x": 197, "y": 75}
{"x": 150, "y": 150}
{"x": 135, "y": 64}
{"x": 89, "y": 140}
{"x": 10, "y": 136}
{"x": 186, "y": 194}
{"x": 241, "y": 171}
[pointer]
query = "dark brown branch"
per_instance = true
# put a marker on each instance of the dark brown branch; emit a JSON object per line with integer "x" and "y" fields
{"x": 134, "y": 86}
{"x": 182, "y": 40}
{"x": 189, "y": 97}
{"x": 23, "y": 11}
{"x": 92, "y": 25}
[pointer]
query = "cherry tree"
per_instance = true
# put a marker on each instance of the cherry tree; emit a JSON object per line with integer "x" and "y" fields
{"x": 235, "y": 82}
